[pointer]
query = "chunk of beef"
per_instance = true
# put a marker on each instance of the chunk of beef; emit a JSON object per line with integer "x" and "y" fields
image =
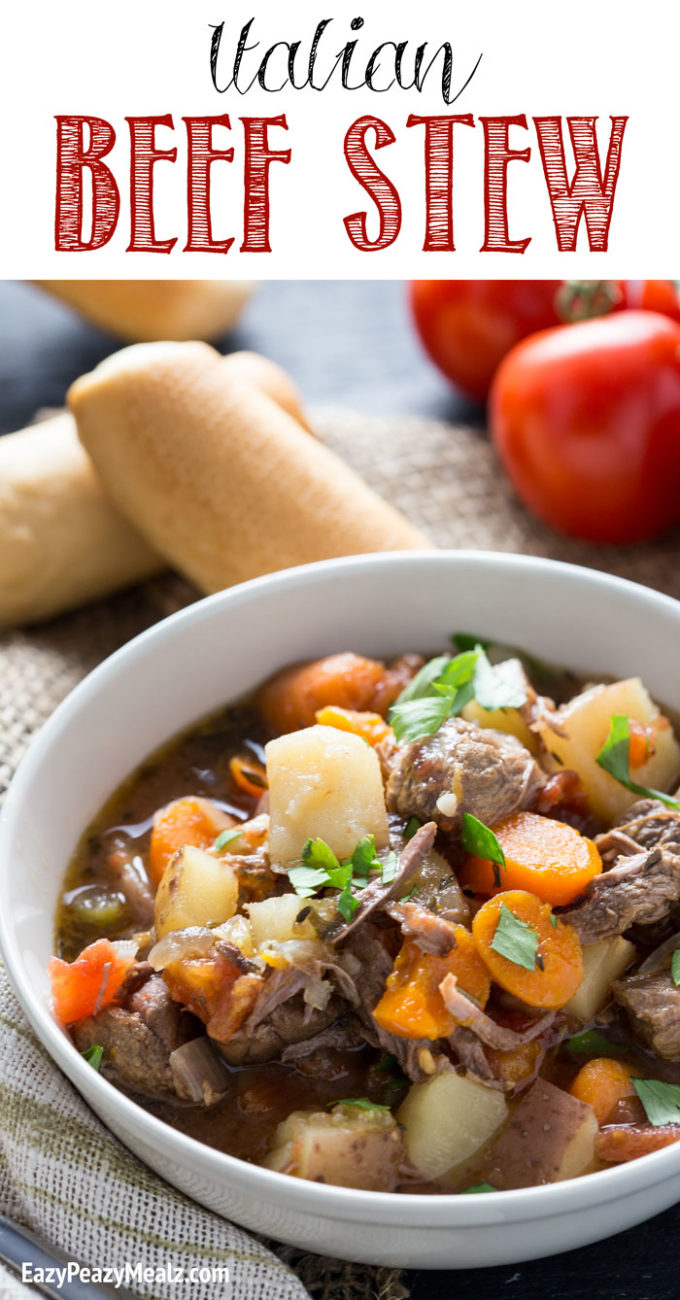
{"x": 138, "y": 1037}
{"x": 432, "y": 933}
{"x": 643, "y": 884}
{"x": 462, "y": 768}
{"x": 639, "y": 889}
{"x": 292, "y": 1021}
{"x": 652, "y": 1003}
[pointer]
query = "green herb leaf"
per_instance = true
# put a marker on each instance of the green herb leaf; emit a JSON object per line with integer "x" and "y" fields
{"x": 316, "y": 853}
{"x": 93, "y": 1055}
{"x": 458, "y": 671}
{"x": 492, "y": 689}
{"x": 465, "y": 641}
{"x": 364, "y": 856}
{"x": 389, "y": 868}
{"x": 226, "y": 838}
{"x": 420, "y": 685}
{"x": 675, "y": 966}
{"x": 306, "y": 880}
{"x": 478, "y": 839}
{"x": 614, "y": 759}
{"x": 515, "y": 940}
{"x": 419, "y": 718}
{"x": 410, "y": 828}
{"x": 589, "y": 1042}
{"x": 361, "y": 1103}
{"x": 660, "y": 1100}
{"x": 476, "y": 1188}
{"x": 347, "y": 903}
{"x": 553, "y": 920}
{"x": 405, "y": 897}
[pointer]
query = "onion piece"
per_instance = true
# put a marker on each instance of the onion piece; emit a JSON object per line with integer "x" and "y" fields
{"x": 179, "y": 945}
{"x": 198, "y": 1073}
{"x": 659, "y": 955}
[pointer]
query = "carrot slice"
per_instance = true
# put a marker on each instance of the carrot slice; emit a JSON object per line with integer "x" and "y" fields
{"x": 83, "y": 987}
{"x": 544, "y": 856}
{"x": 630, "y": 1141}
{"x": 249, "y": 776}
{"x": 558, "y": 968}
{"x": 602, "y": 1083}
{"x": 370, "y": 726}
{"x": 190, "y": 821}
{"x": 292, "y": 698}
{"x": 412, "y": 1006}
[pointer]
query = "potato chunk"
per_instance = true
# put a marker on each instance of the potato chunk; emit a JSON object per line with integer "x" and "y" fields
{"x": 603, "y": 963}
{"x": 447, "y": 1119}
{"x": 585, "y": 722}
{"x": 550, "y": 1137}
{"x": 350, "y": 1147}
{"x": 326, "y": 783}
{"x": 276, "y": 918}
{"x": 196, "y": 889}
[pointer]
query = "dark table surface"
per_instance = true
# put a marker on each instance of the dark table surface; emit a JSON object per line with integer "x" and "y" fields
{"x": 346, "y": 343}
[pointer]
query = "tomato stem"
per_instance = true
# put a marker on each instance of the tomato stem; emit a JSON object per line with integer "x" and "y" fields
{"x": 578, "y": 300}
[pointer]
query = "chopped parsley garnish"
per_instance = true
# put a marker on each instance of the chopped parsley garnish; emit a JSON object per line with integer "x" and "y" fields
{"x": 389, "y": 868}
{"x": 660, "y": 1100}
{"x": 364, "y": 856}
{"x": 410, "y": 828}
{"x": 515, "y": 940}
{"x": 675, "y": 966}
{"x": 361, "y": 1103}
{"x": 416, "y": 719}
{"x": 476, "y": 1188}
{"x": 589, "y": 1042}
{"x": 321, "y": 869}
{"x": 93, "y": 1055}
{"x": 478, "y": 839}
{"x": 347, "y": 903}
{"x": 614, "y": 759}
{"x": 317, "y": 853}
{"x": 444, "y": 686}
{"x": 405, "y": 897}
{"x": 306, "y": 880}
{"x": 553, "y": 920}
{"x": 465, "y": 641}
{"x": 225, "y": 838}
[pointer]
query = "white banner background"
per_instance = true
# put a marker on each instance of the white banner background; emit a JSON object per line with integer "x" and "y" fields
{"x": 137, "y": 57}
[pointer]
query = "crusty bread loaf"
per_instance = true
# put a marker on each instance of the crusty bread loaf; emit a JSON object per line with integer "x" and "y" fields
{"x": 141, "y": 310}
{"x": 221, "y": 480}
{"x": 62, "y": 542}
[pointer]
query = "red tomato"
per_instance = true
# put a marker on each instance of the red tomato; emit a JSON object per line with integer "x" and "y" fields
{"x": 587, "y": 423}
{"x": 468, "y": 326}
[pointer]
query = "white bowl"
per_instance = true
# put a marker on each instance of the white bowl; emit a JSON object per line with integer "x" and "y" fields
{"x": 215, "y": 651}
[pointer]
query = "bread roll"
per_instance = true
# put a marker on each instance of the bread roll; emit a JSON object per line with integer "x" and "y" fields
{"x": 141, "y": 310}
{"x": 221, "y": 480}
{"x": 62, "y": 542}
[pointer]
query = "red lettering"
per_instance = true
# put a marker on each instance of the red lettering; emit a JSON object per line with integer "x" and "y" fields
{"x": 144, "y": 153}
{"x": 497, "y": 156}
{"x": 73, "y": 156}
{"x": 439, "y": 179}
{"x": 259, "y": 158}
{"x": 376, "y": 184}
{"x": 590, "y": 194}
{"x": 201, "y": 155}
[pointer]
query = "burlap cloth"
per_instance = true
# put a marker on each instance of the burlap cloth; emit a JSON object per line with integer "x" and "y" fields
{"x": 61, "y": 1173}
